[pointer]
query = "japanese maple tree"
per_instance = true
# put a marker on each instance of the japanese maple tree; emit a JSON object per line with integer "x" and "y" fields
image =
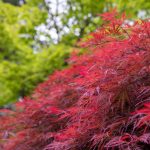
{"x": 102, "y": 101}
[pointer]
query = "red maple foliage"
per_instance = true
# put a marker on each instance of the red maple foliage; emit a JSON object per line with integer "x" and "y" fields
{"x": 100, "y": 102}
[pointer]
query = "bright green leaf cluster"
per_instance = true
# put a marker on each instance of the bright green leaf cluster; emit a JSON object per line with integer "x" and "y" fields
{"x": 21, "y": 67}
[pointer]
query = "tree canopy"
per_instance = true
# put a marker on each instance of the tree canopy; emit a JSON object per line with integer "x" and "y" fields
{"x": 22, "y": 67}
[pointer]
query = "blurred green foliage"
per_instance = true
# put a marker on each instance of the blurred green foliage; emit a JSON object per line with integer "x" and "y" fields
{"x": 14, "y": 2}
{"x": 22, "y": 65}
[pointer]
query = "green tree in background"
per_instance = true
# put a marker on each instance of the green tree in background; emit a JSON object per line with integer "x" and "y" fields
{"x": 20, "y": 2}
{"x": 22, "y": 67}
{"x": 14, "y": 2}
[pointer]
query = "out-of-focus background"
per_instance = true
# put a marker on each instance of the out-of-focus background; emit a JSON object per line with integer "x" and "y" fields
{"x": 37, "y": 36}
